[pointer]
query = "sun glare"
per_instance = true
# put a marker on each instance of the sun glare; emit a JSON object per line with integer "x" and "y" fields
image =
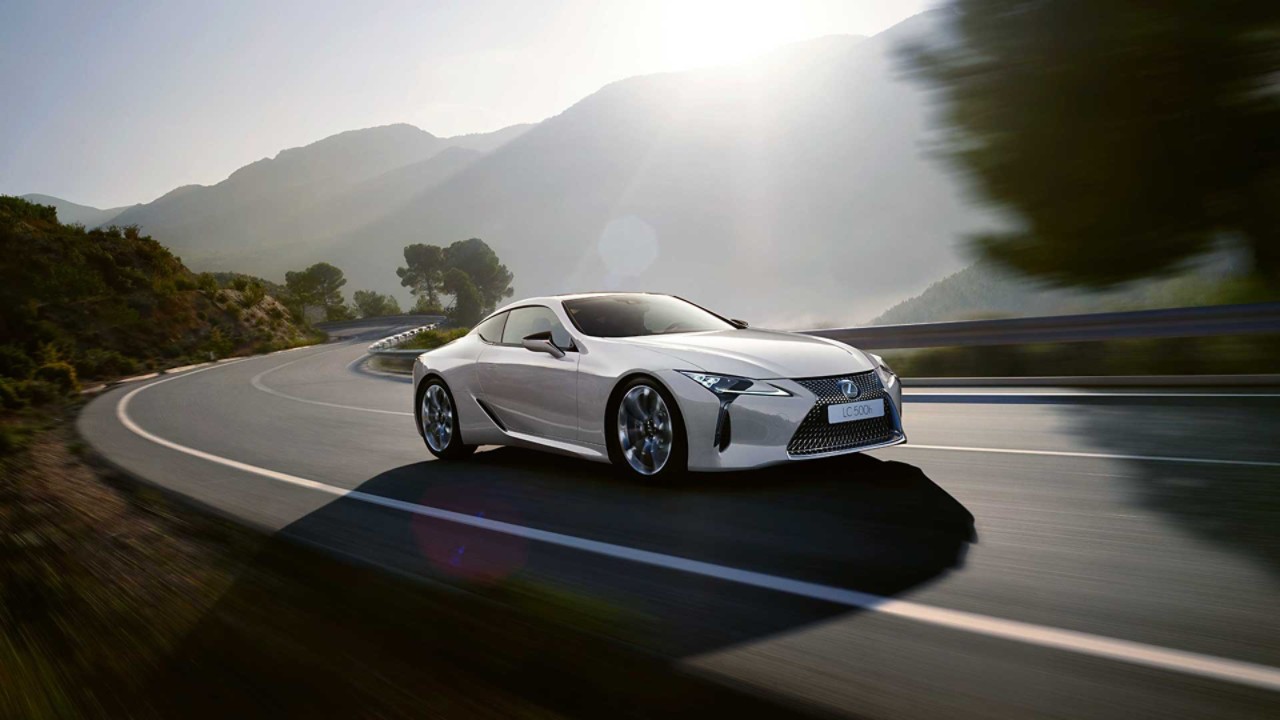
{"x": 700, "y": 34}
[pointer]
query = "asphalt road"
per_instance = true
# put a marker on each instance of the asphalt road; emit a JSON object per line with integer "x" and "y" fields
{"x": 1039, "y": 553}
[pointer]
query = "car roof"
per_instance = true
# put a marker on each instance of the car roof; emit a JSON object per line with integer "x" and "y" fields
{"x": 545, "y": 299}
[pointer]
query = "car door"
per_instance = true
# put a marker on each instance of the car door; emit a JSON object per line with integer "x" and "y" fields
{"x": 532, "y": 392}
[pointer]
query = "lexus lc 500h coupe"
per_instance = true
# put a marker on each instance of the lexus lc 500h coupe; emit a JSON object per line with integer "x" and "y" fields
{"x": 654, "y": 384}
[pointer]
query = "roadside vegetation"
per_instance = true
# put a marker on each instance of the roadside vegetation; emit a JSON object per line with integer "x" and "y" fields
{"x": 1242, "y": 354}
{"x": 432, "y": 339}
{"x": 80, "y": 304}
{"x": 462, "y": 282}
{"x": 468, "y": 271}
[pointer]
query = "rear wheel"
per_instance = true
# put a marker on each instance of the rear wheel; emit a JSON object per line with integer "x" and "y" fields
{"x": 646, "y": 434}
{"x": 438, "y": 422}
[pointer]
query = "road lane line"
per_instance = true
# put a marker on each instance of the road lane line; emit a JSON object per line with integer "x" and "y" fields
{"x": 1091, "y": 455}
{"x": 256, "y": 381}
{"x": 1181, "y": 661}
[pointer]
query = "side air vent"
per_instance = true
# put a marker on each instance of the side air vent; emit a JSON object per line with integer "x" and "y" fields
{"x": 492, "y": 415}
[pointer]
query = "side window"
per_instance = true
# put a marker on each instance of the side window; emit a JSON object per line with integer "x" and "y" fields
{"x": 490, "y": 330}
{"x": 526, "y": 321}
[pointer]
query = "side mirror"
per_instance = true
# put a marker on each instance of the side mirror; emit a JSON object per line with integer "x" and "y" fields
{"x": 541, "y": 342}
{"x": 740, "y": 324}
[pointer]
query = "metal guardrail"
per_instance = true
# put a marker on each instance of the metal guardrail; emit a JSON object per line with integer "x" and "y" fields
{"x": 1171, "y": 323}
{"x": 1209, "y": 321}
{"x": 390, "y": 345}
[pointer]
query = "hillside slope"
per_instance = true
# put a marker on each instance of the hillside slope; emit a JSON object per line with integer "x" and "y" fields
{"x": 114, "y": 302}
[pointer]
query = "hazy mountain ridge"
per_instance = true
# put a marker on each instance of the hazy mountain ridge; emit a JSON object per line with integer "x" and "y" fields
{"x": 790, "y": 190}
{"x": 70, "y": 213}
{"x": 767, "y": 190}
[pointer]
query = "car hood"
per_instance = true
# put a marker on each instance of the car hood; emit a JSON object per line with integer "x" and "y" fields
{"x": 759, "y": 354}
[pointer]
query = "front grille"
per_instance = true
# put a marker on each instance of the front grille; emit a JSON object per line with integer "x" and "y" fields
{"x": 815, "y": 435}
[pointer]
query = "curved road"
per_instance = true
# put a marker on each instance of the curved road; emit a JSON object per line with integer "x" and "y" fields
{"x": 1047, "y": 552}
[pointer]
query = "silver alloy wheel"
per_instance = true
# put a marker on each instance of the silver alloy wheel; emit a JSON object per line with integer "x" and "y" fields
{"x": 645, "y": 430}
{"x": 437, "y": 417}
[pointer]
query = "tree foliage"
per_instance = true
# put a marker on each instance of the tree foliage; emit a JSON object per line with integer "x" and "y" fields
{"x": 423, "y": 272}
{"x": 468, "y": 302}
{"x": 469, "y": 271}
{"x": 1125, "y": 136}
{"x": 372, "y": 304}
{"x": 318, "y": 286}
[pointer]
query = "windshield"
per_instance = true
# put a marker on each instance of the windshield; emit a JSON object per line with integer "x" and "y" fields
{"x": 638, "y": 315}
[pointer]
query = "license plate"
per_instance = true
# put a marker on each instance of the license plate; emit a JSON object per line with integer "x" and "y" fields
{"x": 848, "y": 412}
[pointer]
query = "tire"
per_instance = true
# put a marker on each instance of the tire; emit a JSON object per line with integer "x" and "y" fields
{"x": 645, "y": 432}
{"x": 437, "y": 418}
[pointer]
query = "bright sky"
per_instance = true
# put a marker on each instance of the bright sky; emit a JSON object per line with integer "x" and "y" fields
{"x": 115, "y": 103}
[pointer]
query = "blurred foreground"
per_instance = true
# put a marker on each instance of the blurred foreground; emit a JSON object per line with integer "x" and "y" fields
{"x": 119, "y": 601}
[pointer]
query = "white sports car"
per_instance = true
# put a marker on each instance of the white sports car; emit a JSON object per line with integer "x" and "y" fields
{"x": 654, "y": 384}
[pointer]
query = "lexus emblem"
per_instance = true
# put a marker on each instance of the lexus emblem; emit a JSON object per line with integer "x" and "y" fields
{"x": 849, "y": 388}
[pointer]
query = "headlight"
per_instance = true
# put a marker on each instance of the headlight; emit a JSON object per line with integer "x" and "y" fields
{"x": 887, "y": 376}
{"x": 731, "y": 385}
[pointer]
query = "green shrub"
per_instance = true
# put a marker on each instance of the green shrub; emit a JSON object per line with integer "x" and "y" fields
{"x": 10, "y": 397}
{"x": 253, "y": 294}
{"x": 12, "y": 439}
{"x": 184, "y": 283}
{"x": 105, "y": 363}
{"x": 234, "y": 312}
{"x": 240, "y": 284}
{"x": 59, "y": 374}
{"x": 207, "y": 283}
{"x": 164, "y": 287}
{"x": 14, "y": 363}
{"x": 218, "y": 343}
{"x": 39, "y": 392}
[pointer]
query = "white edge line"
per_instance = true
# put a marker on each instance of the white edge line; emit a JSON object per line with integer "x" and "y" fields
{"x": 257, "y": 382}
{"x": 1191, "y": 663}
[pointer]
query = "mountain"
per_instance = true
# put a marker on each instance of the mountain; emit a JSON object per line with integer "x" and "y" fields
{"x": 265, "y": 211}
{"x": 70, "y": 213}
{"x": 487, "y": 142}
{"x": 790, "y": 191}
{"x": 793, "y": 191}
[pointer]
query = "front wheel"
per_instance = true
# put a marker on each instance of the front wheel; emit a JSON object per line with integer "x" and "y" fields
{"x": 438, "y": 422}
{"x": 646, "y": 434}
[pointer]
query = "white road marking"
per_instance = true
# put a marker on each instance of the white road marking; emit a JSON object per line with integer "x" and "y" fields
{"x": 1191, "y": 663}
{"x": 1092, "y": 455}
{"x": 256, "y": 381}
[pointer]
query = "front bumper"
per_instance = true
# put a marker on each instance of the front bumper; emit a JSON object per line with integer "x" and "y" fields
{"x": 762, "y": 428}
